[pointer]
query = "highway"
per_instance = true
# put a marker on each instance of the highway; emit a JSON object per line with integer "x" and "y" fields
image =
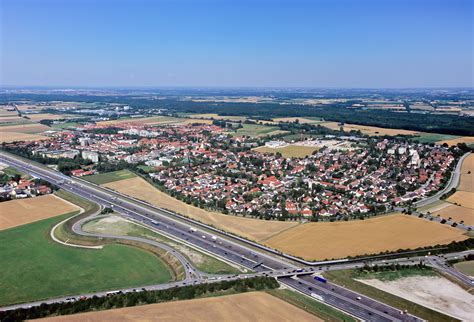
{"x": 197, "y": 235}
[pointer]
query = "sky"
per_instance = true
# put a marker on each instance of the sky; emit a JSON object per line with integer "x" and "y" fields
{"x": 144, "y": 43}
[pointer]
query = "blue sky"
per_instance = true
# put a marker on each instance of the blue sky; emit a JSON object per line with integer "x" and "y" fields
{"x": 338, "y": 43}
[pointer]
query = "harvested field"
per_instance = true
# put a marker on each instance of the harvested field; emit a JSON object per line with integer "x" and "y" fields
{"x": 247, "y": 227}
{"x": 301, "y": 120}
{"x": 252, "y": 306}
{"x": 463, "y": 198}
{"x": 327, "y": 240}
{"x": 296, "y": 151}
{"x": 457, "y": 213}
{"x": 23, "y": 211}
{"x": 437, "y": 293}
{"x": 25, "y": 128}
{"x": 370, "y": 130}
{"x": 14, "y": 136}
{"x": 467, "y": 174}
{"x": 216, "y": 117}
{"x": 469, "y": 140}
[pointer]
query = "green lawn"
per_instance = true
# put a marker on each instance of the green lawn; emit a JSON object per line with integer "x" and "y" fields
{"x": 34, "y": 267}
{"x": 312, "y": 306}
{"x": 12, "y": 172}
{"x": 109, "y": 176}
{"x": 254, "y": 130}
{"x": 465, "y": 267}
{"x": 64, "y": 125}
{"x": 201, "y": 261}
{"x": 433, "y": 137}
{"x": 346, "y": 279}
{"x": 394, "y": 275}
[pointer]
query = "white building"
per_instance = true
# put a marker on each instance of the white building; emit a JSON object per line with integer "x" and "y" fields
{"x": 89, "y": 155}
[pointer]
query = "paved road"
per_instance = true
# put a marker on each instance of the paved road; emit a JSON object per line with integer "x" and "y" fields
{"x": 453, "y": 183}
{"x": 189, "y": 232}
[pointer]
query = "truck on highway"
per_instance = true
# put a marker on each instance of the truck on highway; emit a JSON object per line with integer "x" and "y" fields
{"x": 214, "y": 238}
{"x": 154, "y": 222}
{"x": 191, "y": 229}
{"x": 318, "y": 297}
{"x": 320, "y": 279}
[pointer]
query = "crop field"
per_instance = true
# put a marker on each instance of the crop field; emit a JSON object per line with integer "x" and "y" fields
{"x": 467, "y": 174}
{"x": 247, "y": 227}
{"x": 32, "y": 128}
{"x": 47, "y": 269}
{"x": 434, "y": 137}
{"x": 301, "y": 120}
{"x": 215, "y": 117}
{"x": 8, "y": 137}
{"x": 24, "y": 211}
{"x": 457, "y": 213}
{"x": 469, "y": 140}
{"x": 463, "y": 198}
{"x": 466, "y": 267}
{"x": 256, "y": 130}
{"x": 434, "y": 292}
{"x": 369, "y": 130}
{"x": 327, "y": 240}
{"x": 109, "y": 176}
{"x": 251, "y": 306}
{"x": 116, "y": 225}
{"x": 296, "y": 151}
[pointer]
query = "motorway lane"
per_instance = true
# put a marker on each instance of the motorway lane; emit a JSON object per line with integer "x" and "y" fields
{"x": 231, "y": 251}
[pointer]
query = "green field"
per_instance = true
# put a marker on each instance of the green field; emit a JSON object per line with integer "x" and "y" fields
{"x": 110, "y": 176}
{"x": 116, "y": 226}
{"x": 433, "y": 137}
{"x": 346, "y": 279}
{"x": 34, "y": 267}
{"x": 12, "y": 172}
{"x": 465, "y": 267}
{"x": 64, "y": 125}
{"x": 312, "y": 306}
{"x": 255, "y": 130}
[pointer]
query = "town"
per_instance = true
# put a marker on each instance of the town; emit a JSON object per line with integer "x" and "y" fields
{"x": 346, "y": 177}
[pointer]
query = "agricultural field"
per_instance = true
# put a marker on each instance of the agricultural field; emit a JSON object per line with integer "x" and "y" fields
{"x": 8, "y": 137}
{"x": 467, "y": 174}
{"x": 32, "y": 128}
{"x": 251, "y": 306}
{"x": 328, "y": 240}
{"x": 301, "y": 120}
{"x": 47, "y": 269}
{"x": 295, "y": 151}
{"x": 155, "y": 120}
{"x": 109, "y": 176}
{"x": 256, "y": 130}
{"x": 24, "y": 211}
{"x": 457, "y": 213}
{"x": 215, "y": 117}
{"x": 254, "y": 229}
{"x": 116, "y": 225}
{"x": 369, "y": 130}
{"x": 466, "y": 267}
{"x": 469, "y": 140}
{"x": 463, "y": 198}
{"x": 434, "y": 292}
{"x": 433, "y": 137}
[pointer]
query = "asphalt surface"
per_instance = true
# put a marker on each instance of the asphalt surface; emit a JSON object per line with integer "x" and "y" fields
{"x": 198, "y": 235}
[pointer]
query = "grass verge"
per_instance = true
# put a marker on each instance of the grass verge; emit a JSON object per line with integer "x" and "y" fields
{"x": 47, "y": 269}
{"x": 319, "y": 309}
